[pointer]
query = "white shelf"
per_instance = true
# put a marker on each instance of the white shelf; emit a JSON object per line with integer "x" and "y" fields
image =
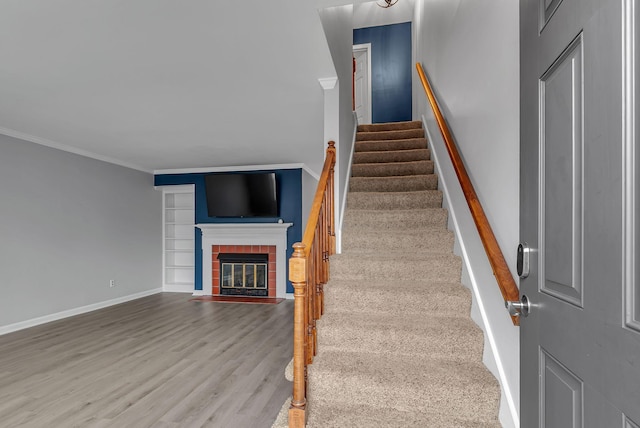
{"x": 178, "y": 240}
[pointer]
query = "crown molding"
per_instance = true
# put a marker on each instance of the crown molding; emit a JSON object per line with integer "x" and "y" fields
{"x": 70, "y": 149}
{"x": 237, "y": 168}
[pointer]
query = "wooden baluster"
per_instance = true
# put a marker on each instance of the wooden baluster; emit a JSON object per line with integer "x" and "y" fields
{"x": 298, "y": 277}
{"x": 309, "y": 308}
{"x": 316, "y": 258}
{"x": 330, "y": 190}
{"x": 325, "y": 251}
{"x": 323, "y": 247}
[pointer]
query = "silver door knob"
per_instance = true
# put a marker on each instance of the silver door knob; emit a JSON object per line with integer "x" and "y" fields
{"x": 519, "y": 309}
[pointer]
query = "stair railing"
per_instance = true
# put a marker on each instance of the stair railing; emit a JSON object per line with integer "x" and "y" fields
{"x": 308, "y": 272}
{"x": 507, "y": 285}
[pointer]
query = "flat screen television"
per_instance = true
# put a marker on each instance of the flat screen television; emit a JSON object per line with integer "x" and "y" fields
{"x": 241, "y": 195}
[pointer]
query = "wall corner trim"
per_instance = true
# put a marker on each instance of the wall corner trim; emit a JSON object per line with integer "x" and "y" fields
{"x": 328, "y": 83}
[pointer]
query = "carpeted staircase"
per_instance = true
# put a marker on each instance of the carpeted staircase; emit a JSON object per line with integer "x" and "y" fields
{"x": 397, "y": 347}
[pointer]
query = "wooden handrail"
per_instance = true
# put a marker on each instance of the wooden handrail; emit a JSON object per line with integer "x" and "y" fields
{"x": 508, "y": 287}
{"x": 308, "y": 272}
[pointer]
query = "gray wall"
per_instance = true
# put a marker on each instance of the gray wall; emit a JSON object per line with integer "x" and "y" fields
{"x": 338, "y": 28}
{"x": 470, "y": 51}
{"x": 68, "y": 225}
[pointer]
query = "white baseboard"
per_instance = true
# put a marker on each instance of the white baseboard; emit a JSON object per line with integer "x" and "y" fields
{"x": 174, "y": 288}
{"x": 201, "y": 292}
{"x": 76, "y": 311}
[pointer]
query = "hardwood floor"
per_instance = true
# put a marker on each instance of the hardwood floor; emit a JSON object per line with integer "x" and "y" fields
{"x": 160, "y": 361}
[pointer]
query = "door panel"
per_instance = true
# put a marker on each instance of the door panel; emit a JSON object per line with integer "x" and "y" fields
{"x": 632, "y": 174}
{"x": 562, "y": 392}
{"x": 547, "y": 8}
{"x": 628, "y": 423}
{"x": 580, "y": 347}
{"x": 561, "y": 176}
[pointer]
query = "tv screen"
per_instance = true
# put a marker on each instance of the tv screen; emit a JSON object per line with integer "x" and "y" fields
{"x": 241, "y": 195}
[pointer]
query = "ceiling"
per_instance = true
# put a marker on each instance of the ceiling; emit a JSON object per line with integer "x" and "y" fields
{"x": 165, "y": 84}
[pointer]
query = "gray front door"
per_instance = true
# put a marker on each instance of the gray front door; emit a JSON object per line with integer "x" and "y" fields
{"x": 580, "y": 347}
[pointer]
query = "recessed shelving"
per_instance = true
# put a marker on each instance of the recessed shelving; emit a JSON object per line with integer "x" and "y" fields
{"x": 178, "y": 237}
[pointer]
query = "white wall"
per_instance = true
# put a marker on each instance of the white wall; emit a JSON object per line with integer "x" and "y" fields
{"x": 470, "y": 50}
{"x": 338, "y": 27}
{"x": 68, "y": 225}
{"x": 371, "y": 15}
{"x": 167, "y": 84}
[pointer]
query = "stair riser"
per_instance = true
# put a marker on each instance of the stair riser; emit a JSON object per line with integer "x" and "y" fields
{"x": 394, "y": 201}
{"x": 393, "y": 184}
{"x": 391, "y": 156}
{"x": 465, "y": 398}
{"x": 390, "y": 135}
{"x": 375, "y": 145}
{"x": 344, "y": 415}
{"x": 378, "y": 220}
{"x": 444, "y": 269}
{"x": 392, "y": 169}
{"x": 436, "y": 242}
{"x": 391, "y": 126}
{"x": 356, "y": 301}
{"x": 439, "y": 341}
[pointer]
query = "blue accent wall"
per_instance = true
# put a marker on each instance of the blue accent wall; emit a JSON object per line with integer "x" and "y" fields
{"x": 289, "y": 187}
{"x": 390, "y": 70}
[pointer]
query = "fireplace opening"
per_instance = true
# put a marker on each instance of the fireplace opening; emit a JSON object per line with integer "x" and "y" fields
{"x": 244, "y": 274}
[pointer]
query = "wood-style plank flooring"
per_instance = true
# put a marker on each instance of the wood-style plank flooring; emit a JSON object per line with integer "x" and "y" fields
{"x": 160, "y": 361}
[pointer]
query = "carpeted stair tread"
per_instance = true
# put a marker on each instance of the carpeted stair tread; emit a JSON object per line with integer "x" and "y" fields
{"x": 391, "y": 156}
{"x": 382, "y": 145}
{"x": 357, "y": 415}
{"x": 427, "y": 266}
{"x": 394, "y": 184}
{"x": 394, "y": 200}
{"x": 358, "y": 219}
{"x": 401, "y": 134}
{"x": 439, "y": 386}
{"x": 392, "y": 169}
{"x": 390, "y": 126}
{"x": 423, "y": 335}
{"x": 391, "y": 241}
{"x": 397, "y": 298}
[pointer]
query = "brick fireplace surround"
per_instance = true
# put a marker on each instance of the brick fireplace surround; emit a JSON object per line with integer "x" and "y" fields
{"x": 244, "y": 238}
{"x": 243, "y": 249}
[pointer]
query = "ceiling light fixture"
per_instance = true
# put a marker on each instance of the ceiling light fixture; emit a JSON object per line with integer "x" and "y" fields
{"x": 389, "y": 3}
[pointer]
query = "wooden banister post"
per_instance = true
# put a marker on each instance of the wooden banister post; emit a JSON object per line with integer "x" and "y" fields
{"x": 298, "y": 277}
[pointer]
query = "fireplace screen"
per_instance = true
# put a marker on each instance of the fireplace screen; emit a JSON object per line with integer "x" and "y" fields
{"x": 243, "y": 274}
